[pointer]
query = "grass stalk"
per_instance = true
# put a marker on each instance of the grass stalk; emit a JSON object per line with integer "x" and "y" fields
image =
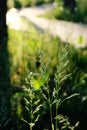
{"x": 51, "y": 118}
{"x": 30, "y": 127}
{"x": 56, "y": 124}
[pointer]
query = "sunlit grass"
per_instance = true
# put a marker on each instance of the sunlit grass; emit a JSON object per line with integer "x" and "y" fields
{"x": 23, "y": 56}
{"x": 26, "y": 3}
{"x": 60, "y": 13}
{"x": 23, "y": 47}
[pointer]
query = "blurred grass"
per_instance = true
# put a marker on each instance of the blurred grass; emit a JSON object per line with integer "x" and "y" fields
{"x": 64, "y": 13}
{"x": 23, "y": 47}
{"x": 26, "y": 3}
{"x": 23, "y": 51}
{"x": 59, "y": 12}
{"x": 23, "y": 54}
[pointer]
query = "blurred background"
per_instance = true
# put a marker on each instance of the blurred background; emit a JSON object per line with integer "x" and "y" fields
{"x": 63, "y": 7}
{"x": 48, "y": 25}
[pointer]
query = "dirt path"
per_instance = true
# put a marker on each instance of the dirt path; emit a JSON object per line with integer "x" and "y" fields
{"x": 67, "y": 31}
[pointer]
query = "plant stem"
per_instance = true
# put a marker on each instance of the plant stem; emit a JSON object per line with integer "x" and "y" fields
{"x": 51, "y": 117}
{"x": 30, "y": 127}
{"x": 56, "y": 124}
{"x": 52, "y": 126}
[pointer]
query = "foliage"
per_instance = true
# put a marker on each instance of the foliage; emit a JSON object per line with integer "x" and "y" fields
{"x": 23, "y": 59}
{"x": 32, "y": 102}
{"x": 64, "y": 13}
{"x": 65, "y": 123}
{"x": 49, "y": 95}
{"x": 59, "y": 12}
{"x": 78, "y": 84}
{"x": 26, "y": 3}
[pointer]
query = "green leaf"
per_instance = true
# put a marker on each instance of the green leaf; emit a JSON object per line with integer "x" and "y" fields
{"x": 27, "y": 108}
{"x": 54, "y": 102}
{"x": 36, "y": 102}
{"x": 71, "y": 96}
{"x": 80, "y": 39}
{"x": 26, "y": 100}
{"x": 44, "y": 96}
{"x": 25, "y": 121}
{"x": 37, "y": 109}
{"x": 65, "y": 77}
{"x": 37, "y": 118}
{"x": 36, "y": 83}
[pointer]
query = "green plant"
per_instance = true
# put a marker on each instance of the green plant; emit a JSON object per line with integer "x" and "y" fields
{"x": 41, "y": 82}
{"x": 65, "y": 14}
{"x": 65, "y": 123}
{"x": 32, "y": 103}
{"x": 52, "y": 96}
{"x": 21, "y": 62}
{"x": 60, "y": 76}
{"x": 26, "y": 3}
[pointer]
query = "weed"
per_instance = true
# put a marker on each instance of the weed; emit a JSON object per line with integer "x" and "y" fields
{"x": 32, "y": 102}
{"x": 40, "y": 82}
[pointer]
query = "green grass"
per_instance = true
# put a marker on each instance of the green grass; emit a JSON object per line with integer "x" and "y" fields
{"x": 38, "y": 85}
{"x": 26, "y": 3}
{"x": 64, "y": 14}
{"x": 23, "y": 47}
{"x": 23, "y": 60}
